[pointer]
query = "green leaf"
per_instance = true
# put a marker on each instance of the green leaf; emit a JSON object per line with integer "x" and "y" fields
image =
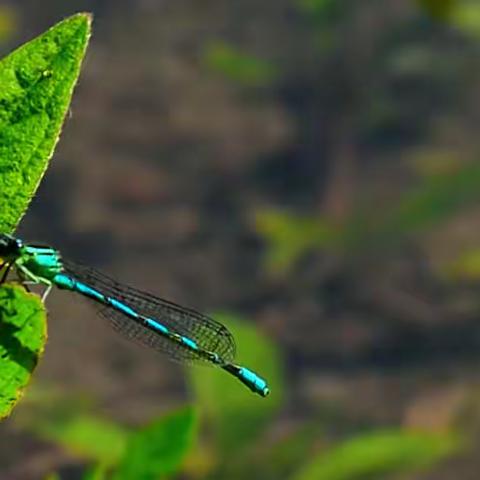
{"x": 36, "y": 81}
{"x": 86, "y": 436}
{"x": 237, "y": 415}
{"x": 380, "y": 453}
{"x": 22, "y": 339}
{"x": 158, "y": 449}
{"x": 237, "y": 66}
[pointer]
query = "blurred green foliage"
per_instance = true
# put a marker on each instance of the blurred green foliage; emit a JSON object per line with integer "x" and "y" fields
{"x": 236, "y": 421}
{"x": 236, "y": 442}
{"x": 86, "y": 436}
{"x": 439, "y": 9}
{"x": 22, "y": 338}
{"x": 237, "y": 417}
{"x": 97, "y": 472}
{"x": 237, "y": 66}
{"x": 322, "y": 11}
{"x": 435, "y": 199}
{"x": 54, "y": 476}
{"x": 158, "y": 449}
{"x": 466, "y": 16}
{"x": 153, "y": 451}
{"x": 377, "y": 454}
{"x": 291, "y": 450}
{"x": 466, "y": 266}
{"x": 289, "y": 236}
{"x": 463, "y": 14}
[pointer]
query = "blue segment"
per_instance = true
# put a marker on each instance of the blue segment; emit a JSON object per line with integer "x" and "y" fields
{"x": 187, "y": 341}
{"x": 156, "y": 325}
{"x": 64, "y": 281}
{"x": 254, "y": 381}
{"x": 122, "y": 307}
{"x": 90, "y": 292}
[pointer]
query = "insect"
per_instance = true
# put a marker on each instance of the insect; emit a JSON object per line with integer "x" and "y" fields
{"x": 181, "y": 333}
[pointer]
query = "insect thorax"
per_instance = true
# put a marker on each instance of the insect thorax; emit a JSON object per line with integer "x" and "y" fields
{"x": 43, "y": 262}
{"x": 9, "y": 247}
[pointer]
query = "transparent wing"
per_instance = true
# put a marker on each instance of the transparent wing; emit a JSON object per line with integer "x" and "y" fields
{"x": 209, "y": 334}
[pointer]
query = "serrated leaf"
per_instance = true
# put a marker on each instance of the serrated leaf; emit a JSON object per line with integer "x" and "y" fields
{"x": 158, "y": 449}
{"x": 36, "y": 82}
{"x": 237, "y": 415}
{"x": 22, "y": 339}
{"x": 377, "y": 454}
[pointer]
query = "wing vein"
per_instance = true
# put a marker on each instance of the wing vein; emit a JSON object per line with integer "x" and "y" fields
{"x": 209, "y": 334}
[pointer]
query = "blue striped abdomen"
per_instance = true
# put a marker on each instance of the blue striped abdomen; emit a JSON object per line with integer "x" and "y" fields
{"x": 143, "y": 326}
{"x": 191, "y": 336}
{"x": 205, "y": 340}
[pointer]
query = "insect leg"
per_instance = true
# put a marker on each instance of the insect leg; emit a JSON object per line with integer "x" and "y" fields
{"x": 5, "y": 273}
{"x": 46, "y": 292}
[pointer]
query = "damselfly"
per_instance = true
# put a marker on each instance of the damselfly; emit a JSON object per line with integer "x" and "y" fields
{"x": 181, "y": 333}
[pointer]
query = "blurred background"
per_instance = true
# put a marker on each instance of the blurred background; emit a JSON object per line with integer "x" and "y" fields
{"x": 307, "y": 172}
